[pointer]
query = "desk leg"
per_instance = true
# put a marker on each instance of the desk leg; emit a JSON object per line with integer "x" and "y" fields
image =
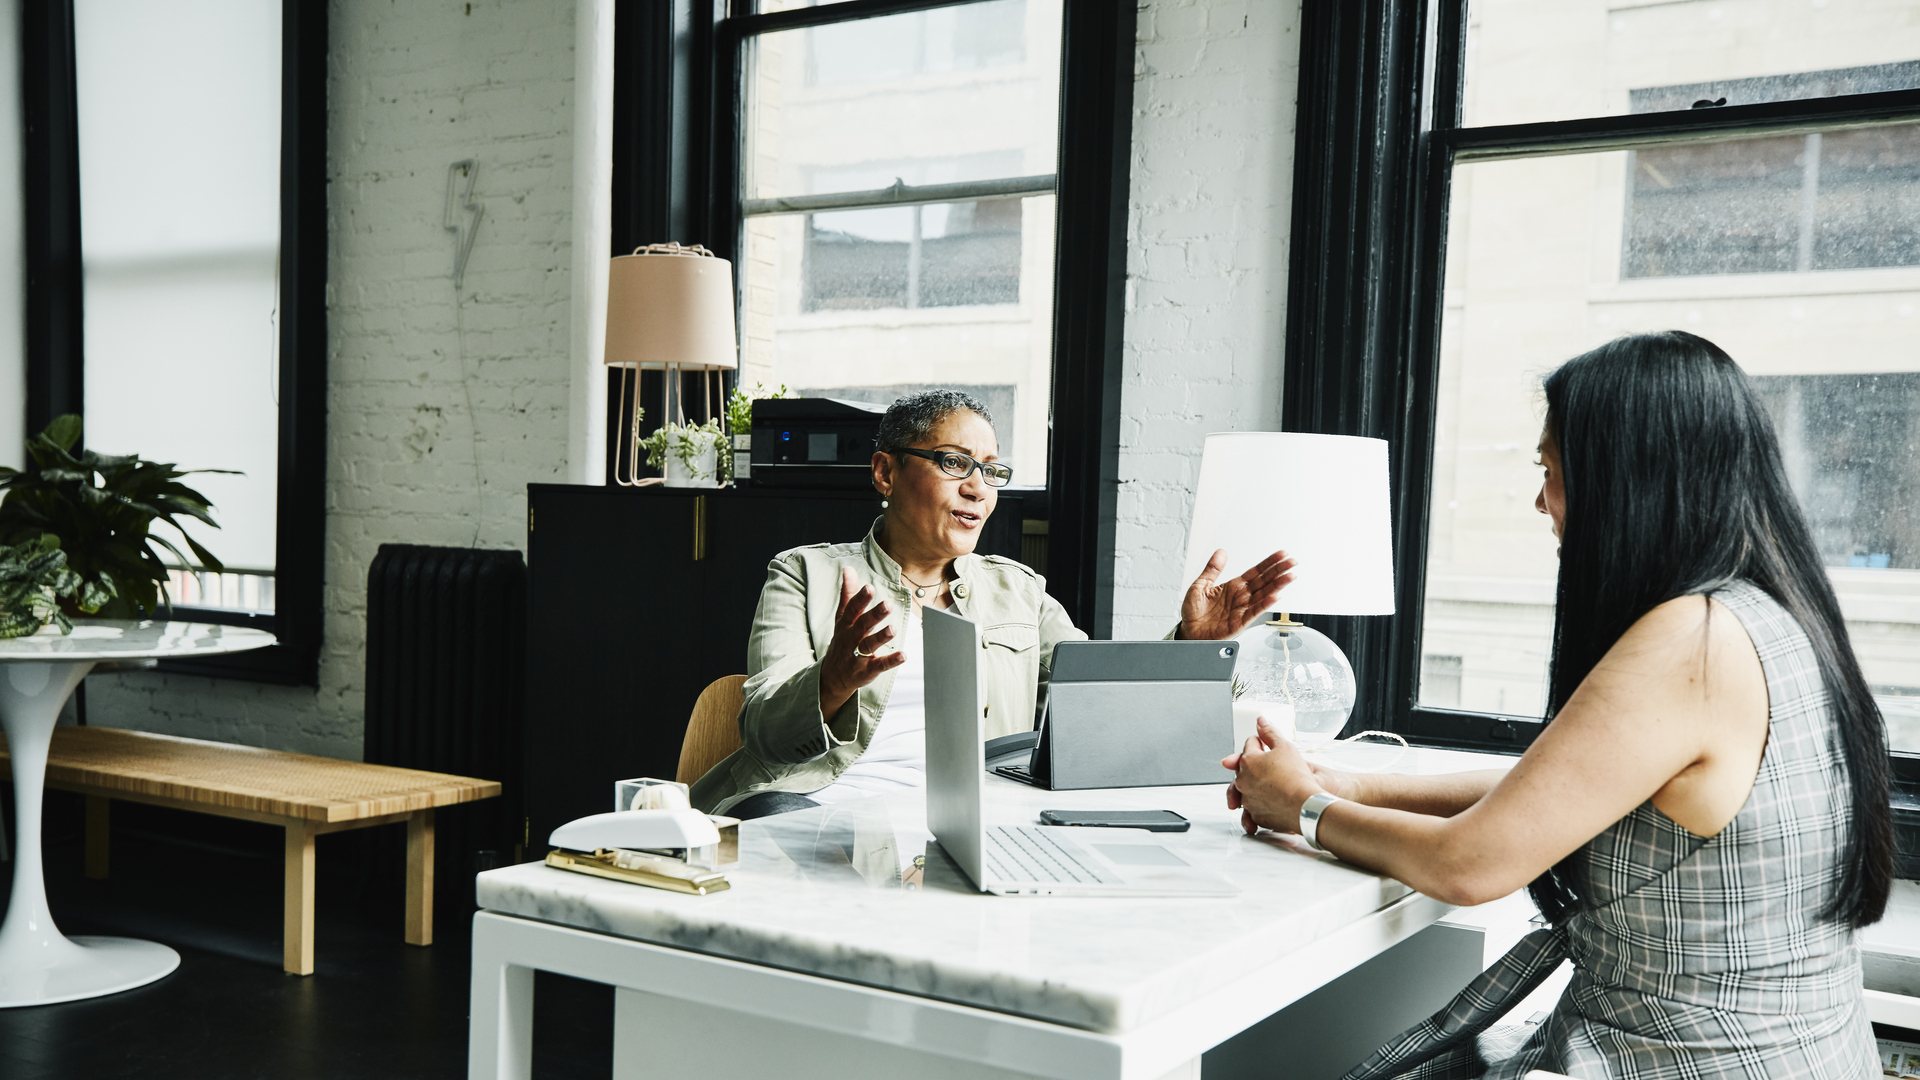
{"x": 98, "y": 832}
{"x": 296, "y": 934}
{"x": 499, "y": 1012}
{"x": 420, "y": 878}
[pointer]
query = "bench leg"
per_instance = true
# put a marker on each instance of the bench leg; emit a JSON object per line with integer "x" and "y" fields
{"x": 296, "y": 943}
{"x": 420, "y": 878}
{"x": 98, "y": 809}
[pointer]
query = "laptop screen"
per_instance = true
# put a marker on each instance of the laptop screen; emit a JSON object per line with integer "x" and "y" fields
{"x": 956, "y": 748}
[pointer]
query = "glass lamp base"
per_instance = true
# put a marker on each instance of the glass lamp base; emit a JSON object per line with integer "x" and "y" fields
{"x": 1297, "y": 678}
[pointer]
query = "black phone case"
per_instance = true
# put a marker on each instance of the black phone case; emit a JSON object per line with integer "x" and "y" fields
{"x": 1092, "y": 819}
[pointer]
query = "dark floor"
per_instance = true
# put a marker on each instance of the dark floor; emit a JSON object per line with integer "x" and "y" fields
{"x": 211, "y": 888}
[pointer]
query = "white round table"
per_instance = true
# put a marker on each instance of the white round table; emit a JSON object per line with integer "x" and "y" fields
{"x": 38, "y": 964}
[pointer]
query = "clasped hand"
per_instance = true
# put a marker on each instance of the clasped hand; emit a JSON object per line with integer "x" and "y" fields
{"x": 1271, "y": 778}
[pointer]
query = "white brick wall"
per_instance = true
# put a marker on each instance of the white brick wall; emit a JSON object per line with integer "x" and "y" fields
{"x": 417, "y": 85}
{"x": 1211, "y": 195}
{"x": 441, "y": 411}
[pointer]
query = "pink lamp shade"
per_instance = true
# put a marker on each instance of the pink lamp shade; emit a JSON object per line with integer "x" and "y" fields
{"x": 671, "y": 307}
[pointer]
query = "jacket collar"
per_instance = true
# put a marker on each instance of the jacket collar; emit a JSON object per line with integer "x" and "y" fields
{"x": 886, "y": 572}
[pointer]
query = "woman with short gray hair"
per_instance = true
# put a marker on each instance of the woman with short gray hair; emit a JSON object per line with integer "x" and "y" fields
{"x": 835, "y": 693}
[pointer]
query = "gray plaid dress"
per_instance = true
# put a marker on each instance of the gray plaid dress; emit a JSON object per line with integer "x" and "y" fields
{"x": 1692, "y": 958}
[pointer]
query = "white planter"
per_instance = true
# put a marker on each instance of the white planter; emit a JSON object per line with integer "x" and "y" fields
{"x": 705, "y": 472}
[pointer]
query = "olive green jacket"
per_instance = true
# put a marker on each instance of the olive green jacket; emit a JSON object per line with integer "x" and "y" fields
{"x": 787, "y": 745}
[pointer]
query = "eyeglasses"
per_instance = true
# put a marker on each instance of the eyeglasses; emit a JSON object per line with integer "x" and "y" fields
{"x": 960, "y": 466}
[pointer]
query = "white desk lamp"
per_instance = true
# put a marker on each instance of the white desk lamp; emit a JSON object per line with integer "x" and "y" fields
{"x": 1325, "y": 500}
{"x": 668, "y": 308}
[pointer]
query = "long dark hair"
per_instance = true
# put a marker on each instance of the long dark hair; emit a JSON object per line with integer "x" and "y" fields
{"x": 1675, "y": 487}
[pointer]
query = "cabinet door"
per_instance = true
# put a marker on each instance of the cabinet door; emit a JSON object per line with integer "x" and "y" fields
{"x": 613, "y": 649}
{"x": 745, "y": 530}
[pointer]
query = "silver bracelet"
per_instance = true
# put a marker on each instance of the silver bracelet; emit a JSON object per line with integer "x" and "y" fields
{"x": 1310, "y": 812}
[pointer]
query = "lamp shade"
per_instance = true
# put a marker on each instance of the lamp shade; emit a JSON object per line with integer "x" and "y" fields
{"x": 1323, "y": 498}
{"x": 671, "y": 306}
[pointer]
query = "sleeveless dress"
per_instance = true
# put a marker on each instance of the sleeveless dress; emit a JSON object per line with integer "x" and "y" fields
{"x": 1694, "y": 958}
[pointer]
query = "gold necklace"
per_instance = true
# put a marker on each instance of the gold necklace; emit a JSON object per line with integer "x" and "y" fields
{"x": 919, "y": 590}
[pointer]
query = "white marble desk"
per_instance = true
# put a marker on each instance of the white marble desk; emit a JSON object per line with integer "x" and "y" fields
{"x": 827, "y": 928}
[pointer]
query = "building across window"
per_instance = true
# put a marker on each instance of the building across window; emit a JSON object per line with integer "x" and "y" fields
{"x": 942, "y": 255}
{"x": 1836, "y": 200}
{"x": 1797, "y": 253}
{"x": 1849, "y": 443}
{"x": 898, "y": 178}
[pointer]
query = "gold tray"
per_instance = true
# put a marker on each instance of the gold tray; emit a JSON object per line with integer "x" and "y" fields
{"x": 636, "y": 869}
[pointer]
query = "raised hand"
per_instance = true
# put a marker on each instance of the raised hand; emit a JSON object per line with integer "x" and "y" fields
{"x": 1215, "y": 610}
{"x": 852, "y": 661}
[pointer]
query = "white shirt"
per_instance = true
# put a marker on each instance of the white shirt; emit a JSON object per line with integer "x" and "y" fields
{"x": 897, "y": 756}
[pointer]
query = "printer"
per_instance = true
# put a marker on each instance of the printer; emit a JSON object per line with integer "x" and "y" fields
{"x": 814, "y": 443}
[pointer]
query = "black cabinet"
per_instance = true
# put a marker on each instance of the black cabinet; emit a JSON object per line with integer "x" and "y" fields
{"x": 637, "y": 599}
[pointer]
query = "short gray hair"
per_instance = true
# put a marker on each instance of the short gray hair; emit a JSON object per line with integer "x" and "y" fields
{"x": 911, "y": 418}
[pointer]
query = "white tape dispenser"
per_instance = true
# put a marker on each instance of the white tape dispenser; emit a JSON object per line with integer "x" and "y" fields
{"x": 654, "y": 838}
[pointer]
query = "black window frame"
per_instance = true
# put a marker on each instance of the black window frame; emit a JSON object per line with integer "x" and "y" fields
{"x": 1379, "y": 131}
{"x": 55, "y": 344}
{"x": 678, "y": 96}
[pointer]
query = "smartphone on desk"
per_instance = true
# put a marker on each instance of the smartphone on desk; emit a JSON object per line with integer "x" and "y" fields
{"x": 1150, "y": 820}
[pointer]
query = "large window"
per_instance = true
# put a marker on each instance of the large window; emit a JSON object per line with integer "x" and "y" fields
{"x": 175, "y": 195}
{"x": 892, "y": 179}
{"x": 179, "y": 110}
{"x": 1575, "y": 170}
{"x": 897, "y": 177}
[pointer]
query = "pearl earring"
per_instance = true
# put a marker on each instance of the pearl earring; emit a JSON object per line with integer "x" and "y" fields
{"x": 883, "y": 504}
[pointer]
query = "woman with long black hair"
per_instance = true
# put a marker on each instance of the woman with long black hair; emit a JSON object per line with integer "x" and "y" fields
{"x": 1704, "y": 818}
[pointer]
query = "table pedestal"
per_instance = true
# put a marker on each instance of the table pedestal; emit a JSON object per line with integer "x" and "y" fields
{"x": 38, "y": 964}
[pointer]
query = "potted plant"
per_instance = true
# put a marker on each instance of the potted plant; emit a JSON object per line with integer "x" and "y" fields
{"x": 102, "y": 507}
{"x": 740, "y": 426}
{"x": 34, "y": 579}
{"x": 688, "y": 455}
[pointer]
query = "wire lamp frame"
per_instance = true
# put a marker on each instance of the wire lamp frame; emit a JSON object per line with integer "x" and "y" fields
{"x": 670, "y": 308}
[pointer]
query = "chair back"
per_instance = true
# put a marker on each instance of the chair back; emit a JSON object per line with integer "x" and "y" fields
{"x": 714, "y": 730}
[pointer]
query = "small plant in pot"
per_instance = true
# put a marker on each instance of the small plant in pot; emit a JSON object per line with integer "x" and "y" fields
{"x": 688, "y": 455}
{"x": 740, "y": 426}
{"x": 102, "y": 507}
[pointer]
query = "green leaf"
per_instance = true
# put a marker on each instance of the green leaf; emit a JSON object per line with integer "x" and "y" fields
{"x": 64, "y": 431}
{"x": 96, "y": 513}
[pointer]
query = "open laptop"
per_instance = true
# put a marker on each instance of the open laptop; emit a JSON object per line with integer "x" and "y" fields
{"x": 1133, "y": 714}
{"x": 1020, "y": 860}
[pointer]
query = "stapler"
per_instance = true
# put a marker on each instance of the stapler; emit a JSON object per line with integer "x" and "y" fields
{"x": 670, "y": 847}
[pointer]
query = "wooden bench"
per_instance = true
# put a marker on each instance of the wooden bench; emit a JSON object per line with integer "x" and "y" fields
{"x": 304, "y": 794}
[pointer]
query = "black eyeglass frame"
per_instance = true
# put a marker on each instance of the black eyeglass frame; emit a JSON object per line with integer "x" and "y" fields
{"x": 979, "y": 466}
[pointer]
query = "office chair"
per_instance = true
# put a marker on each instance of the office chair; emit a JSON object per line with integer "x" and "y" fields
{"x": 713, "y": 732}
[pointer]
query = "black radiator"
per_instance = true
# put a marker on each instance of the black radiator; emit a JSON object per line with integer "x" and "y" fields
{"x": 446, "y": 663}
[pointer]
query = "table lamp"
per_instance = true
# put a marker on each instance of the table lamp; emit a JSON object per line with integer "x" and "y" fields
{"x": 1325, "y": 500}
{"x": 669, "y": 308}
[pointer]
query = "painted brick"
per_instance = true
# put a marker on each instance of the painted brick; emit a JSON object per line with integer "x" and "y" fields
{"x": 1212, "y": 171}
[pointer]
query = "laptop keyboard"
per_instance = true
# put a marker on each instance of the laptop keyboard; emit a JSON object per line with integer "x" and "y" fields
{"x": 1030, "y": 853}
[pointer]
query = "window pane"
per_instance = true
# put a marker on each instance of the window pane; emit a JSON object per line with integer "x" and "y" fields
{"x": 929, "y": 97}
{"x": 1534, "y": 60}
{"x": 872, "y": 302}
{"x": 1549, "y": 257}
{"x": 179, "y": 111}
{"x": 1841, "y": 200}
{"x": 943, "y": 255}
